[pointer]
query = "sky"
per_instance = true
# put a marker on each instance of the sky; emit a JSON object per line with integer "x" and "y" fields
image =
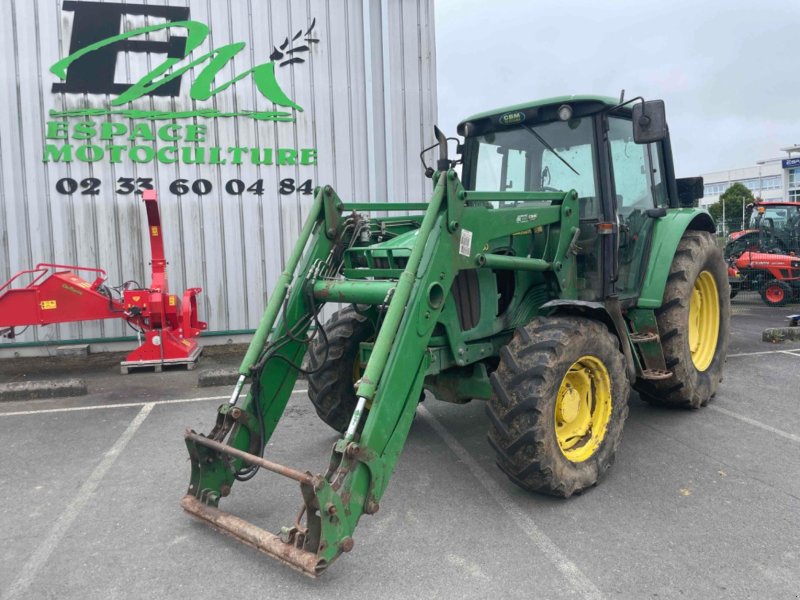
{"x": 728, "y": 72}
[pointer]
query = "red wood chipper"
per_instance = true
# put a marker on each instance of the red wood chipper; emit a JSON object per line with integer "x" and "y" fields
{"x": 57, "y": 294}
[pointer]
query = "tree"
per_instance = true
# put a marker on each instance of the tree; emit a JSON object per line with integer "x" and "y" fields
{"x": 734, "y": 198}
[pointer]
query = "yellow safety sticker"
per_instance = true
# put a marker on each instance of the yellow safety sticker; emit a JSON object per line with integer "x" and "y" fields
{"x": 48, "y": 304}
{"x": 172, "y": 300}
{"x": 154, "y": 231}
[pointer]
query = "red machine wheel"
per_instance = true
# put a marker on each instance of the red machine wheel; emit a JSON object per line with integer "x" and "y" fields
{"x": 776, "y": 293}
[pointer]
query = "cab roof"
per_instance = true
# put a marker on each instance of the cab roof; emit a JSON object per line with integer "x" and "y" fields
{"x": 599, "y": 102}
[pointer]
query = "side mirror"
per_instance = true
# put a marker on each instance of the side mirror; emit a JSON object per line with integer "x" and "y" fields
{"x": 649, "y": 122}
{"x": 690, "y": 189}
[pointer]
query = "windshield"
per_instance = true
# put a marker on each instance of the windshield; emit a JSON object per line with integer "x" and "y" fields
{"x": 517, "y": 160}
{"x": 776, "y": 217}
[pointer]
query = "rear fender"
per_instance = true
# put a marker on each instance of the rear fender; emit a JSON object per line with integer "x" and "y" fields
{"x": 667, "y": 234}
{"x": 608, "y": 313}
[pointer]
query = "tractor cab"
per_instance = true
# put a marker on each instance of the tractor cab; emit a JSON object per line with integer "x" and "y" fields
{"x": 587, "y": 144}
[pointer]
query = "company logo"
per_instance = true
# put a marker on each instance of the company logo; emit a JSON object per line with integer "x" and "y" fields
{"x": 69, "y": 288}
{"x": 511, "y": 118}
{"x": 789, "y": 163}
{"x": 96, "y": 43}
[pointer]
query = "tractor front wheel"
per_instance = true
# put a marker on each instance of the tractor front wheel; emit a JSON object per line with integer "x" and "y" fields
{"x": 561, "y": 399}
{"x": 694, "y": 324}
{"x": 776, "y": 293}
{"x": 336, "y": 368}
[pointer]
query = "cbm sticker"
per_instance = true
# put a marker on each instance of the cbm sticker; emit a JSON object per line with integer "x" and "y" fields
{"x": 512, "y": 118}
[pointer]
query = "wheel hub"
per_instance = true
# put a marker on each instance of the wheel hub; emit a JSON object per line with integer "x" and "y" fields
{"x": 570, "y": 404}
{"x": 775, "y": 293}
{"x": 583, "y": 408}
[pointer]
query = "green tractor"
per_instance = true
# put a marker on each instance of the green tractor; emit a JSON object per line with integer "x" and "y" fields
{"x": 563, "y": 267}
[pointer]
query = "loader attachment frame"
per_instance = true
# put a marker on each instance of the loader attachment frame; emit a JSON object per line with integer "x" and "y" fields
{"x": 452, "y": 235}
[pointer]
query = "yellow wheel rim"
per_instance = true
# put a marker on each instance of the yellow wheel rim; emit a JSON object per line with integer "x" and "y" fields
{"x": 583, "y": 408}
{"x": 703, "y": 321}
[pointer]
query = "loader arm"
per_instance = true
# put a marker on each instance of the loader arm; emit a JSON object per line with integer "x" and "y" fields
{"x": 389, "y": 390}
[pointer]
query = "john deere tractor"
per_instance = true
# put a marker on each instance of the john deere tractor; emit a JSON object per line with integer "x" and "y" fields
{"x": 563, "y": 267}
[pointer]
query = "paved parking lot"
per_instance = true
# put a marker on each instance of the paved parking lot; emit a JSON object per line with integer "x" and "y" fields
{"x": 701, "y": 504}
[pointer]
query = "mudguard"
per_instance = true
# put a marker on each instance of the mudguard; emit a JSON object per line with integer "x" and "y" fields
{"x": 667, "y": 234}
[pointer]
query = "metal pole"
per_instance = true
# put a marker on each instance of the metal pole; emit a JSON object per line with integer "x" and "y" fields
{"x": 724, "y": 222}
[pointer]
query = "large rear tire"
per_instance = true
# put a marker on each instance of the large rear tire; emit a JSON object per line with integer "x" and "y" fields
{"x": 694, "y": 324}
{"x": 330, "y": 385}
{"x": 561, "y": 400}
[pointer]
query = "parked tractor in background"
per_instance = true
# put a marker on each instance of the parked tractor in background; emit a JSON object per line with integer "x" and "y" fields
{"x": 764, "y": 258}
{"x": 565, "y": 266}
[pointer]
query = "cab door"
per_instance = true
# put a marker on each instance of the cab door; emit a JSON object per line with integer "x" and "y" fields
{"x": 638, "y": 184}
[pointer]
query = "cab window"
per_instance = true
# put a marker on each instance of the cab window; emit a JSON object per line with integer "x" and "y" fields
{"x": 555, "y": 156}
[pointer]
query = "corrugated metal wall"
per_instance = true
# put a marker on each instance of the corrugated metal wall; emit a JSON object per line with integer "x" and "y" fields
{"x": 368, "y": 91}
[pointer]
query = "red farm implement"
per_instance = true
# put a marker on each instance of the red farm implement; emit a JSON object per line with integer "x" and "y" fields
{"x": 57, "y": 294}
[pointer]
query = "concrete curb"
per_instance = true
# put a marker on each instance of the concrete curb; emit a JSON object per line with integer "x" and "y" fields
{"x": 780, "y": 334}
{"x": 215, "y": 377}
{"x": 34, "y": 390}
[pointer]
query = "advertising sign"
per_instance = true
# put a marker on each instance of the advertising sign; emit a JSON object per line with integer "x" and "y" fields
{"x": 116, "y": 132}
{"x": 790, "y": 163}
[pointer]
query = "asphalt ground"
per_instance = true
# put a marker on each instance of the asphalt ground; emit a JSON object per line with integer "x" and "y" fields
{"x": 699, "y": 504}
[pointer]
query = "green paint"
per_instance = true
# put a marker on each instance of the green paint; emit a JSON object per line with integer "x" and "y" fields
{"x": 404, "y": 351}
{"x": 160, "y": 115}
{"x": 211, "y": 66}
{"x": 187, "y": 155}
{"x": 667, "y": 234}
{"x": 203, "y": 85}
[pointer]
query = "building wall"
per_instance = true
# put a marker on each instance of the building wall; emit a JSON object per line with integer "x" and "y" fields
{"x": 367, "y": 89}
{"x": 770, "y": 179}
{"x": 765, "y": 180}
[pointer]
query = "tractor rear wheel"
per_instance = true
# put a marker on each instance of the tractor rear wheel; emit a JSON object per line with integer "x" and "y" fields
{"x": 561, "y": 400}
{"x": 776, "y": 293}
{"x": 335, "y": 371}
{"x": 694, "y": 323}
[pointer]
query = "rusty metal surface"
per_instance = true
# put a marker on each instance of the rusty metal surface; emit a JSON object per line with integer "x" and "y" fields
{"x": 244, "y": 531}
{"x": 251, "y": 459}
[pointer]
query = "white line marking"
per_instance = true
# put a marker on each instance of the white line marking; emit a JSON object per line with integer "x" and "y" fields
{"x": 764, "y": 352}
{"x": 101, "y": 406}
{"x": 568, "y": 569}
{"x": 42, "y": 553}
{"x": 121, "y": 405}
{"x": 790, "y": 353}
{"x": 754, "y": 423}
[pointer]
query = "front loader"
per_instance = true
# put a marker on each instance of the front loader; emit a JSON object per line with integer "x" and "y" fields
{"x": 563, "y": 267}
